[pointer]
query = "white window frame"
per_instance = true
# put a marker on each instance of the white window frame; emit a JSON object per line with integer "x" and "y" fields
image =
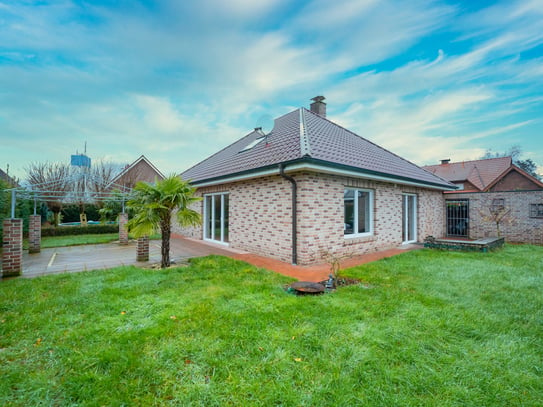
{"x": 371, "y": 195}
{"x": 213, "y": 238}
{"x": 406, "y": 225}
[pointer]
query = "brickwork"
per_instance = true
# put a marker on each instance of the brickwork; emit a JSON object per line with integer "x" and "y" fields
{"x": 514, "y": 181}
{"x": 142, "y": 248}
{"x": 12, "y": 254}
{"x": 517, "y": 226}
{"x": 34, "y": 234}
{"x": 321, "y": 227}
{"x": 123, "y": 230}
{"x": 260, "y": 216}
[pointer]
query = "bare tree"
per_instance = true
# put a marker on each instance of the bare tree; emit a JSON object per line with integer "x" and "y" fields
{"x": 515, "y": 152}
{"x": 498, "y": 214}
{"x": 51, "y": 180}
{"x": 100, "y": 177}
{"x": 335, "y": 260}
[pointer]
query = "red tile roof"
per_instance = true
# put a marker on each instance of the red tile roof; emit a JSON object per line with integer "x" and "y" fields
{"x": 480, "y": 173}
{"x": 302, "y": 136}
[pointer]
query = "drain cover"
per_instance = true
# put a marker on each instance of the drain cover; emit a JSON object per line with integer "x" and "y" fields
{"x": 307, "y": 287}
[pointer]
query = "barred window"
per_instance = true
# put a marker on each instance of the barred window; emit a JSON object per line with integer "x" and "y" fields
{"x": 536, "y": 210}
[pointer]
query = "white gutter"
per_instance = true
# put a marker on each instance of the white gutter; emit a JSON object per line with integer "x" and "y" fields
{"x": 321, "y": 169}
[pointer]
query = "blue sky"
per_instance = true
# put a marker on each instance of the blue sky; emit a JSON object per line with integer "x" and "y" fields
{"x": 178, "y": 80}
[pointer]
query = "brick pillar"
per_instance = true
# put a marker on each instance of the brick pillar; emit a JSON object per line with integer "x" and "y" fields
{"x": 142, "y": 248}
{"x": 123, "y": 231}
{"x": 12, "y": 255}
{"x": 34, "y": 234}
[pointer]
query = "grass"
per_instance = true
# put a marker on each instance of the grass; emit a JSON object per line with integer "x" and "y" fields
{"x": 428, "y": 328}
{"x": 76, "y": 240}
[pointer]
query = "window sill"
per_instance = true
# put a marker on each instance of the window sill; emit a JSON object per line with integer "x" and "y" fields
{"x": 348, "y": 240}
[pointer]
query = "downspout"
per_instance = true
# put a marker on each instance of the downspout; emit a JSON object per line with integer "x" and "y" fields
{"x": 294, "y": 213}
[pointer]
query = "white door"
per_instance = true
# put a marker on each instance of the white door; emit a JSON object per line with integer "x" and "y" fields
{"x": 409, "y": 218}
{"x": 216, "y": 208}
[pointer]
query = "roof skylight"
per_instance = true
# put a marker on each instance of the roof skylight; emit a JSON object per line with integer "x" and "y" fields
{"x": 252, "y": 144}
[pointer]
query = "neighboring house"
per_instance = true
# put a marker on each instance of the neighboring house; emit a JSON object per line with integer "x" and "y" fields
{"x": 491, "y": 189}
{"x": 9, "y": 180}
{"x": 311, "y": 187}
{"x": 140, "y": 170}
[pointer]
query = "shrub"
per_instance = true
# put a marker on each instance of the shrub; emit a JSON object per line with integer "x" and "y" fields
{"x": 70, "y": 213}
{"x": 80, "y": 230}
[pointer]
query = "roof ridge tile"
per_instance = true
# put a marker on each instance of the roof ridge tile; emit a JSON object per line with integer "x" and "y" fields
{"x": 305, "y": 147}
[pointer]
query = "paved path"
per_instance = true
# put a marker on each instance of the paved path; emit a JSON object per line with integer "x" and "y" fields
{"x": 102, "y": 256}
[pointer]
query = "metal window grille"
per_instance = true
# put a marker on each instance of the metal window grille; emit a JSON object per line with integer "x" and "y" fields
{"x": 536, "y": 210}
{"x": 457, "y": 217}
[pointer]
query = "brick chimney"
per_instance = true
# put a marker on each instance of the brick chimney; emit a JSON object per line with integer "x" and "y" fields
{"x": 318, "y": 106}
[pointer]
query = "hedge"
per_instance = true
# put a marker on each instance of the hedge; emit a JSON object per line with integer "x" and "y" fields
{"x": 79, "y": 230}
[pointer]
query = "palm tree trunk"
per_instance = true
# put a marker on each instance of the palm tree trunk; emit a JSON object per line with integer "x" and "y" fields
{"x": 165, "y": 229}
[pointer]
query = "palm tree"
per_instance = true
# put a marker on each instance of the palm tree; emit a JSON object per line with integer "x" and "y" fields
{"x": 154, "y": 205}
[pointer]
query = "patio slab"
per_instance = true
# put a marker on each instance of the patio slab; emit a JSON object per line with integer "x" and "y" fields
{"x": 102, "y": 256}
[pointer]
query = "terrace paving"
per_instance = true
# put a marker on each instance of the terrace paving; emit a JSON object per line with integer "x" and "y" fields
{"x": 101, "y": 256}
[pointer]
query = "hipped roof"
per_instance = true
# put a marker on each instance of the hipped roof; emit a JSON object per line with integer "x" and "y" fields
{"x": 300, "y": 138}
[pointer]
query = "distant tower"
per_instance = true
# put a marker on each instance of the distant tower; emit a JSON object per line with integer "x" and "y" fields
{"x": 81, "y": 160}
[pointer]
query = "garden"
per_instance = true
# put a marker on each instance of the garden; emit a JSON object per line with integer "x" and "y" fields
{"x": 425, "y": 328}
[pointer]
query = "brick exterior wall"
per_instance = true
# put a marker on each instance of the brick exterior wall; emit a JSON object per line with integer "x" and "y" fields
{"x": 34, "y": 234}
{"x": 123, "y": 230}
{"x": 514, "y": 181}
{"x": 517, "y": 226}
{"x": 321, "y": 223}
{"x": 12, "y": 254}
{"x": 142, "y": 248}
{"x": 260, "y": 216}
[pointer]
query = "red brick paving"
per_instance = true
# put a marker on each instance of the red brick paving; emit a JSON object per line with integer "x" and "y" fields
{"x": 317, "y": 272}
{"x": 313, "y": 273}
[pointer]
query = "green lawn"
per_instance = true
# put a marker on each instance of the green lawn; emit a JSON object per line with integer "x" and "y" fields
{"x": 75, "y": 240}
{"x": 428, "y": 328}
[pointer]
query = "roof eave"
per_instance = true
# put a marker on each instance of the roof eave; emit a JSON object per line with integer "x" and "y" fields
{"x": 307, "y": 163}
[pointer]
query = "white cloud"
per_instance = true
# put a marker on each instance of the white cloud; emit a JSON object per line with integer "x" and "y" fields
{"x": 179, "y": 80}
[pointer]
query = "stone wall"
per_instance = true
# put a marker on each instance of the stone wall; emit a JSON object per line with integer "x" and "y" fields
{"x": 517, "y": 226}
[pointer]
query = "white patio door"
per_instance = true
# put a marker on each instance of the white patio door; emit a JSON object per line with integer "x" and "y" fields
{"x": 216, "y": 208}
{"x": 409, "y": 218}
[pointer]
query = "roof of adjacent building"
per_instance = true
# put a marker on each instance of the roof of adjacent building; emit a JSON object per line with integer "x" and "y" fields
{"x": 483, "y": 174}
{"x": 140, "y": 170}
{"x": 5, "y": 177}
{"x": 480, "y": 173}
{"x": 303, "y": 137}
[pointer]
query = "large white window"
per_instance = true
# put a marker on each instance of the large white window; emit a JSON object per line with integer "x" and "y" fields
{"x": 358, "y": 212}
{"x": 216, "y": 207}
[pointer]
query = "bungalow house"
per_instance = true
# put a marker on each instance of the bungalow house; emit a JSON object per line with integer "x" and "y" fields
{"x": 311, "y": 187}
{"x": 490, "y": 191}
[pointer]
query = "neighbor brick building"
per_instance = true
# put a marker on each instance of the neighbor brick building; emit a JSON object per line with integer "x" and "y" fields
{"x": 140, "y": 170}
{"x": 311, "y": 187}
{"x": 489, "y": 189}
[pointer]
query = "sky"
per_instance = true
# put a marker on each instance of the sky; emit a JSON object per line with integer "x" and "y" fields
{"x": 178, "y": 80}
